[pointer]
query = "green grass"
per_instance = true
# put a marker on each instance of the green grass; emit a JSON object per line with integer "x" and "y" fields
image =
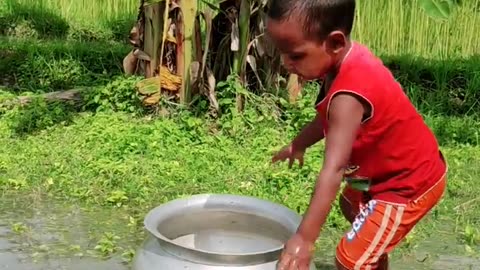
{"x": 113, "y": 159}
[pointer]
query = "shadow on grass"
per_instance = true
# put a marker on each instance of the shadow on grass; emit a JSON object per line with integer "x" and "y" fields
{"x": 325, "y": 266}
{"x": 44, "y": 22}
{"x": 54, "y": 65}
{"x": 112, "y": 29}
{"x": 38, "y": 115}
{"x": 121, "y": 26}
{"x": 35, "y": 20}
{"x": 443, "y": 87}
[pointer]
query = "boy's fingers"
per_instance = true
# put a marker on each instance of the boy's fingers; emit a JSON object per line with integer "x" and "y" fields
{"x": 304, "y": 265}
{"x": 285, "y": 262}
{"x": 307, "y": 265}
{"x": 293, "y": 265}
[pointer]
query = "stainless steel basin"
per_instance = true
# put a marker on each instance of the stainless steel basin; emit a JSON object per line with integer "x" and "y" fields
{"x": 212, "y": 231}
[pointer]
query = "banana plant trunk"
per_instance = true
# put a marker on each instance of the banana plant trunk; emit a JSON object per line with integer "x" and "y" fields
{"x": 189, "y": 12}
{"x": 153, "y": 36}
{"x": 239, "y": 61}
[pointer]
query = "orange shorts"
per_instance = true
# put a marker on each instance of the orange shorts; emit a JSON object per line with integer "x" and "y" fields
{"x": 377, "y": 226}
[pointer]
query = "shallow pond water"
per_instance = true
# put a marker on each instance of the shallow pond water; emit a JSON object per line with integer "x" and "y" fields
{"x": 437, "y": 248}
{"x": 40, "y": 234}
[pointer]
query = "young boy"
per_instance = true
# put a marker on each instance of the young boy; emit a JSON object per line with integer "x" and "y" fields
{"x": 375, "y": 138}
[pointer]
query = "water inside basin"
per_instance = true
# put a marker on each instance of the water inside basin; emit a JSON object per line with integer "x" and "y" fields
{"x": 225, "y": 232}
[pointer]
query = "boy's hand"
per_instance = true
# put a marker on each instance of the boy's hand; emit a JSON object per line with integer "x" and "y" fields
{"x": 296, "y": 255}
{"x": 290, "y": 152}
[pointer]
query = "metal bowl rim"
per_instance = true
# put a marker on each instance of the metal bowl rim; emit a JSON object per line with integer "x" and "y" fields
{"x": 152, "y": 219}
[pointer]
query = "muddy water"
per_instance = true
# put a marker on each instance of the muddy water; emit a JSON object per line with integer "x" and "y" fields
{"x": 437, "y": 248}
{"x": 440, "y": 249}
{"x": 40, "y": 234}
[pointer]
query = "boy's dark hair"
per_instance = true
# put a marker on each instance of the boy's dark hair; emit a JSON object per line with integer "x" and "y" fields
{"x": 320, "y": 17}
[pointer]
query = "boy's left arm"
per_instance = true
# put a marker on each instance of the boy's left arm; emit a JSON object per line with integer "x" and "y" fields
{"x": 345, "y": 117}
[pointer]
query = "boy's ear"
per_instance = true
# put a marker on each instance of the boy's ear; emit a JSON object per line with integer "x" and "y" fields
{"x": 336, "y": 41}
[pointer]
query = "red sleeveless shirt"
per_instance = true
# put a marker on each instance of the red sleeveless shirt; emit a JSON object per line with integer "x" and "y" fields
{"x": 395, "y": 156}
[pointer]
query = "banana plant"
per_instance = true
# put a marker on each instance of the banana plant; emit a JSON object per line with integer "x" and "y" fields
{"x": 163, "y": 49}
{"x": 170, "y": 52}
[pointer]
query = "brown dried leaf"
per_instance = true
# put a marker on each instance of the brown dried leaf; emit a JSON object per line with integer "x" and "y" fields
{"x": 134, "y": 36}
{"x": 210, "y": 87}
{"x": 141, "y": 55}
{"x": 253, "y": 64}
{"x": 235, "y": 37}
{"x": 257, "y": 44}
{"x": 173, "y": 5}
{"x": 130, "y": 63}
{"x": 195, "y": 76}
{"x": 208, "y": 17}
{"x": 198, "y": 39}
{"x": 151, "y": 100}
{"x": 169, "y": 81}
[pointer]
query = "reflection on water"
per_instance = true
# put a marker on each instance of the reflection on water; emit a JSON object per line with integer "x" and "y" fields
{"x": 46, "y": 234}
{"x": 228, "y": 242}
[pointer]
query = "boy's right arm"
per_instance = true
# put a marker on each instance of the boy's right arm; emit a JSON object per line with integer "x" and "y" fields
{"x": 310, "y": 134}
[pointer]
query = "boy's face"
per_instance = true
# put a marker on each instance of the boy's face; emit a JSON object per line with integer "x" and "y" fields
{"x": 309, "y": 58}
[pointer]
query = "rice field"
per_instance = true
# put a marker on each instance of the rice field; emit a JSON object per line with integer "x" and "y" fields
{"x": 393, "y": 27}
{"x": 81, "y": 11}
{"x": 399, "y": 27}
